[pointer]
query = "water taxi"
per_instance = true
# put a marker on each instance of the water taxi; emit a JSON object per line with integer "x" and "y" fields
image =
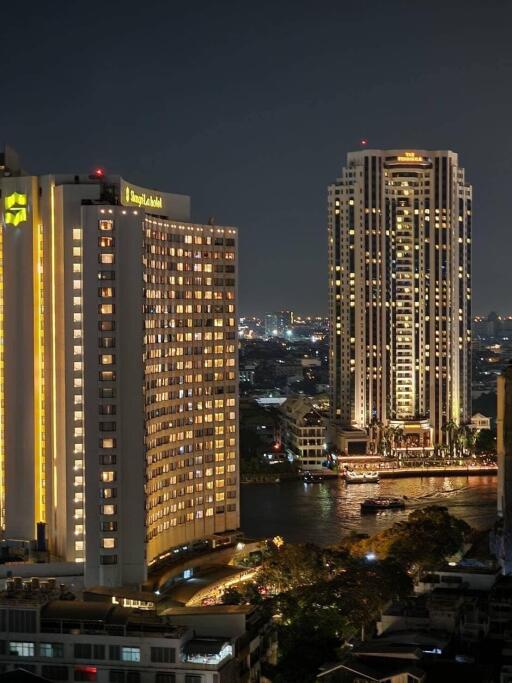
{"x": 382, "y": 503}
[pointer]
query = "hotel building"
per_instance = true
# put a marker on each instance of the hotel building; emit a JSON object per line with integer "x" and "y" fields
{"x": 399, "y": 227}
{"x": 118, "y": 371}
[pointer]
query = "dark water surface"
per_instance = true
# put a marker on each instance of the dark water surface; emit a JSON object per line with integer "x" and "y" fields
{"x": 323, "y": 513}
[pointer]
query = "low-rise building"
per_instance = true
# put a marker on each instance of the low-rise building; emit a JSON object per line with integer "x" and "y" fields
{"x": 56, "y": 636}
{"x": 376, "y": 662}
{"x": 460, "y": 576}
{"x": 303, "y": 432}
{"x": 479, "y": 422}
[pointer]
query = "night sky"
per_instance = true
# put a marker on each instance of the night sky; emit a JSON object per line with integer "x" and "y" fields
{"x": 251, "y": 107}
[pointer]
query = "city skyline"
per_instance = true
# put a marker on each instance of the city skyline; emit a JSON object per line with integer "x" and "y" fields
{"x": 255, "y": 348}
{"x": 283, "y": 109}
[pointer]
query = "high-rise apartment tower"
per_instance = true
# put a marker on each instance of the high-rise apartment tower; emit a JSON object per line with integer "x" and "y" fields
{"x": 118, "y": 371}
{"x": 400, "y": 294}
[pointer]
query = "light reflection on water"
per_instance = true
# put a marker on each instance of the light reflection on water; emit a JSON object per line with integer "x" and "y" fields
{"x": 323, "y": 513}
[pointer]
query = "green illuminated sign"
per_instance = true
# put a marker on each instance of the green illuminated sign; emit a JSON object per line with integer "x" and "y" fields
{"x": 15, "y": 209}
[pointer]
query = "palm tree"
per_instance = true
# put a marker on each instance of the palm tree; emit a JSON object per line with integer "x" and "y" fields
{"x": 386, "y": 440}
{"x": 376, "y": 429}
{"x": 469, "y": 438}
{"x": 451, "y": 429}
{"x": 460, "y": 440}
{"x": 397, "y": 434}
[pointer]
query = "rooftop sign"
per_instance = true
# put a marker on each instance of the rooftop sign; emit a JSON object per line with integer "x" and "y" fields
{"x": 161, "y": 203}
{"x": 408, "y": 159}
{"x": 136, "y": 196}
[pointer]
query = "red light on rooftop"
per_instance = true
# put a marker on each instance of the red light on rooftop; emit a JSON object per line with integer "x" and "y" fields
{"x": 364, "y": 142}
{"x": 99, "y": 172}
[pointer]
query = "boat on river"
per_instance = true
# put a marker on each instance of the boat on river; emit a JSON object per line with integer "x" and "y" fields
{"x": 312, "y": 478}
{"x": 382, "y": 503}
{"x": 352, "y": 477}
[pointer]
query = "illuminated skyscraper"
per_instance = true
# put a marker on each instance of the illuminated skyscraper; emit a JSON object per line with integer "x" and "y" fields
{"x": 118, "y": 371}
{"x": 400, "y": 294}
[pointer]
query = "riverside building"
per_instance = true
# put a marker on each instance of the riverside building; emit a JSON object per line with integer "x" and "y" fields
{"x": 399, "y": 227}
{"x": 118, "y": 371}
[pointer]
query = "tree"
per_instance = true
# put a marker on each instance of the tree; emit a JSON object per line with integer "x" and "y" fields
{"x": 387, "y": 441}
{"x": 431, "y": 536}
{"x": 376, "y": 433}
{"x": 315, "y": 620}
{"x": 231, "y": 596}
{"x": 450, "y": 428}
{"x": 291, "y": 566}
{"x": 397, "y": 435}
{"x": 426, "y": 539}
{"x": 486, "y": 441}
{"x": 470, "y": 438}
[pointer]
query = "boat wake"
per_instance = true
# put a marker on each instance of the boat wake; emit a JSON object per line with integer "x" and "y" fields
{"x": 440, "y": 494}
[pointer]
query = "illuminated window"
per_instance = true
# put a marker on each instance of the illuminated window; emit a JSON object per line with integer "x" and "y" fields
{"x": 108, "y": 509}
{"x": 105, "y": 242}
{"x": 105, "y": 259}
{"x": 21, "y": 648}
{"x": 107, "y": 443}
{"x": 108, "y": 492}
{"x": 108, "y": 476}
{"x": 108, "y": 543}
{"x": 52, "y": 650}
{"x": 106, "y": 292}
{"x": 106, "y": 309}
{"x": 130, "y": 654}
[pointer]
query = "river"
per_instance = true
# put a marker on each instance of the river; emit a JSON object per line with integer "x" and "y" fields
{"x": 325, "y": 512}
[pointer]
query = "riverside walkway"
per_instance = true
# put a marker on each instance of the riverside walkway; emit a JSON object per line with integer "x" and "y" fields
{"x": 387, "y": 471}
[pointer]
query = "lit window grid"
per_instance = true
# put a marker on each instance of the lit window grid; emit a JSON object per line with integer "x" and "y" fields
{"x": 78, "y": 399}
{"x": 216, "y": 446}
{"x": 341, "y": 382}
{"x": 2, "y": 386}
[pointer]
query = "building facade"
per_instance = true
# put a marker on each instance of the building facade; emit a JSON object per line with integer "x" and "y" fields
{"x": 118, "y": 369}
{"x": 71, "y": 640}
{"x": 399, "y": 227}
{"x": 304, "y": 432}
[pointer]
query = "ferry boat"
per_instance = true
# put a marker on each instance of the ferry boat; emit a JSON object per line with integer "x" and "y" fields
{"x": 352, "y": 477}
{"x": 382, "y": 503}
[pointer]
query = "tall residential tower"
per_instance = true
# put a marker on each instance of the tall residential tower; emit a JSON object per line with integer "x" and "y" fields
{"x": 118, "y": 371}
{"x": 400, "y": 294}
